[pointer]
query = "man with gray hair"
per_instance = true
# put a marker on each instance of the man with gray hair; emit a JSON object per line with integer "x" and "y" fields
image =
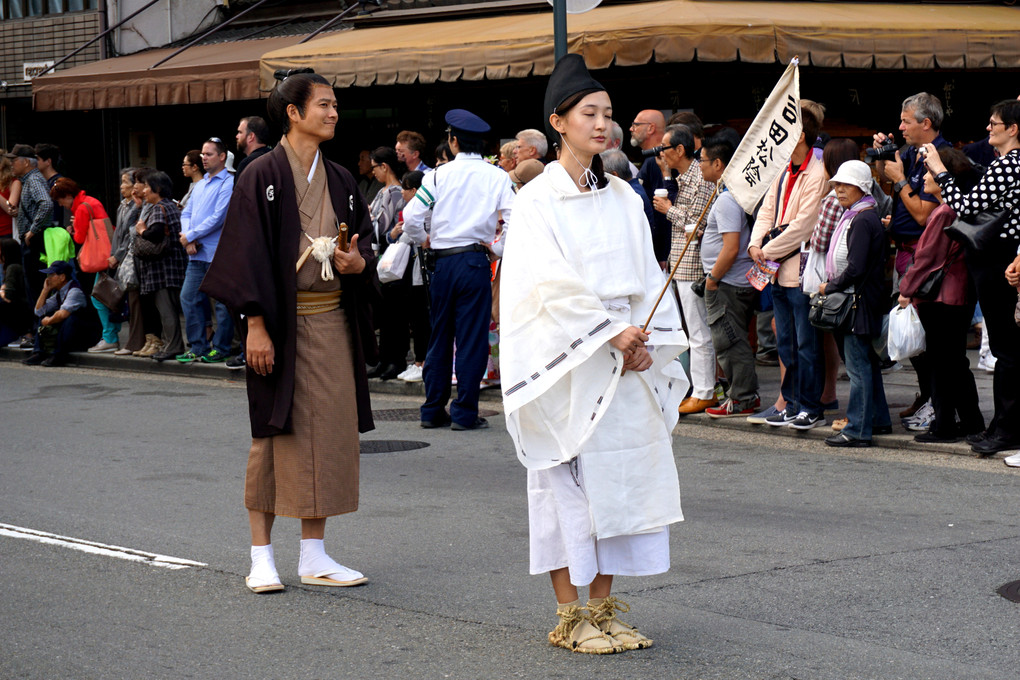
{"x": 615, "y": 162}
{"x": 615, "y": 141}
{"x": 920, "y": 121}
{"x": 531, "y": 143}
{"x": 35, "y": 212}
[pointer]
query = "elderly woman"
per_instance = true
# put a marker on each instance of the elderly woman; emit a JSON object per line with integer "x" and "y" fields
{"x": 161, "y": 260}
{"x": 998, "y": 190}
{"x": 84, "y": 210}
{"x": 127, "y": 215}
{"x": 507, "y": 157}
{"x": 855, "y": 264}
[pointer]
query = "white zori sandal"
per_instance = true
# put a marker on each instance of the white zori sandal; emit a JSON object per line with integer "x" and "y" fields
{"x": 577, "y": 633}
{"x": 263, "y": 577}
{"x": 316, "y": 568}
{"x": 603, "y": 615}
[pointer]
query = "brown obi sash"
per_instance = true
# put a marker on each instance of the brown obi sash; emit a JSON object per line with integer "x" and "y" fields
{"x": 309, "y": 302}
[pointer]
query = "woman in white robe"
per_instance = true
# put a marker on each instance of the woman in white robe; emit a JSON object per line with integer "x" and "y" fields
{"x": 590, "y": 399}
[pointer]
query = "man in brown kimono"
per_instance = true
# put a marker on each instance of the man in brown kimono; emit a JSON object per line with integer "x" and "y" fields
{"x": 286, "y": 267}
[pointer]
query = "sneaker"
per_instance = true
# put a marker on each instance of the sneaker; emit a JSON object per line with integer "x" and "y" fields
{"x": 413, "y": 374}
{"x": 186, "y": 358}
{"x": 760, "y": 417}
{"x": 781, "y": 419}
{"x": 914, "y": 406}
{"x": 237, "y": 362}
{"x": 922, "y": 420}
{"x": 732, "y": 409}
{"x": 35, "y": 359}
{"x": 213, "y": 356}
{"x": 406, "y": 371}
{"x": 919, "y": 410}
{"x": 806, "y": 421}
{"x": 27, "y": 342}
{"x": 123, "y": 352}
{"x": 986, "y": 362}
{"x": 103, "y": 347}
{"x": 890, "y": 366}
{"x": 1012, "y": 461}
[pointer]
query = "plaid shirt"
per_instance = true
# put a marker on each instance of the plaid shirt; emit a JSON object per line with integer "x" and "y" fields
{"x": 691, "y": 201}
{"x": 168, "y": 271}
{"x": 35, "y": 210}
{"x": 828, "y": 218}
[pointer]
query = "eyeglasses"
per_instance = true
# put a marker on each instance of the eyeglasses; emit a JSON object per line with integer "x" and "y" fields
{"x": 376, "y": 166}
{"x": 637, "y": 124}
{"x": 667, "y": 148}
{"x": 993, "y": 123}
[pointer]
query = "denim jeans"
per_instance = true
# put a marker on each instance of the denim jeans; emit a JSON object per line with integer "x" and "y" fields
{"x": 867, "y": 407}
{"x": 800, "y": 350}
{"x": 197, "y": 316}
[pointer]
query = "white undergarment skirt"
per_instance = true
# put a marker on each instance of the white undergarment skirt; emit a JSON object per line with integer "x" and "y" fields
{"x": 561, "y": 532}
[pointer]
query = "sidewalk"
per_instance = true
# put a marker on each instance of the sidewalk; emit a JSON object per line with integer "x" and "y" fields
{"x": 900, "y": 389}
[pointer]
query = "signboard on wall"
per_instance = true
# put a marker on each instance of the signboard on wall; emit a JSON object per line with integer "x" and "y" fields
{"x": 34, "y": 68}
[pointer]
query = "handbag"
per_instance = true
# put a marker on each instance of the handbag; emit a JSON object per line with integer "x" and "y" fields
{"x": 833, "y": 311}
{"x": 147, "y": 250}
{"x": 95, "y": 253}
{"x": 127, "y": 271}
{"x": 978, "y": 232}
{"x": 393, "y": 262}
{"x": 108, "y": 291}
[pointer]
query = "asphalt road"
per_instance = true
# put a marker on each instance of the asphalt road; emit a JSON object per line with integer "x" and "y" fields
{"x": 796, "y": 561}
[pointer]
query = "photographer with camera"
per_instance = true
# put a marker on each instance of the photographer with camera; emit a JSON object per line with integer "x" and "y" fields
{"x": 920, "y": 121}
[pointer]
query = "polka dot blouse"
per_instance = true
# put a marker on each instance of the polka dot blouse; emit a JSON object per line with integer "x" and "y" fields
{"x": 998, "y": 189}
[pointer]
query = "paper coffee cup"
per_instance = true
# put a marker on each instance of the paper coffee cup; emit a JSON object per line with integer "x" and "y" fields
{"x": 689, "y": 228}
{"x": 661, "y": 193}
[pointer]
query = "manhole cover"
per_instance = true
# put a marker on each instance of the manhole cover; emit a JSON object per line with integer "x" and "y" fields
{"x": 390, "y": 446}
{"x": 1010, "y": 591}
{"x": 413, "y": 415}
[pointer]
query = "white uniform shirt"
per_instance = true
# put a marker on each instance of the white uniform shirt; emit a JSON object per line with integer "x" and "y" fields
{"x": 467, "y": 198}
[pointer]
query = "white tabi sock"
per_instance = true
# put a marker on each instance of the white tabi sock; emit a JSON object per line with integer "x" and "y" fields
{"x": 315, "y": 562}
{"x": 263, "y": 566}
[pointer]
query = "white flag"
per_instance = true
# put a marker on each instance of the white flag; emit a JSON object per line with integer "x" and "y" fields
{"x": 768, "y": 144}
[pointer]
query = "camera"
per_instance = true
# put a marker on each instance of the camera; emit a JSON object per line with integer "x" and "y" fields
{"x": 886, "y": 153}
{"x": 654, "y": 151}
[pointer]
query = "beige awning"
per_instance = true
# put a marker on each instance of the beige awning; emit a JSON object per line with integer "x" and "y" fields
{"x": 204, "y": 73}
{"x": 851, "y": 35}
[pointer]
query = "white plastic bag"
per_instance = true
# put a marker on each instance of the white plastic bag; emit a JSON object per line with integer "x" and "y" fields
{"x": 814, "y": 272}
{"x": 393, "y": 262}
{"x": 906, "y": 335}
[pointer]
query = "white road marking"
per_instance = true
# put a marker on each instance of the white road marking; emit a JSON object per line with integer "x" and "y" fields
{"x": 130, "y": 554}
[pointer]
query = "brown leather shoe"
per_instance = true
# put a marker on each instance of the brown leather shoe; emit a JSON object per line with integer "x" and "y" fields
{"x": 695, "y": 405}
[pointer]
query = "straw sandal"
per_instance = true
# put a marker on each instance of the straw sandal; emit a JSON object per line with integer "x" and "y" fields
{"x": 603, "y": 615}
{"x": 577, "y": 633}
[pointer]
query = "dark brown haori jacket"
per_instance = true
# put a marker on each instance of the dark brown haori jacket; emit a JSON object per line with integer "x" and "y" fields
{"x": 253, "y": 273}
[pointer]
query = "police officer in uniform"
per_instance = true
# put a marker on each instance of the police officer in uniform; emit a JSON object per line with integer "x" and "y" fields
{"x": 466, "y": 198}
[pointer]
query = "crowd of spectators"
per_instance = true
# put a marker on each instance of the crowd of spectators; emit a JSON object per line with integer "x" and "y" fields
{"x": 830, "y": 223}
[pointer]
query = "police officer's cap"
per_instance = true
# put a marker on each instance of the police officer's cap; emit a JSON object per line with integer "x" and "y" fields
{"x": 466, "y": 124}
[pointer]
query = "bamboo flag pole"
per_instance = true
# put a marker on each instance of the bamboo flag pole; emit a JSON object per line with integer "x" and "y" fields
{"x": 690, "y": 237}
